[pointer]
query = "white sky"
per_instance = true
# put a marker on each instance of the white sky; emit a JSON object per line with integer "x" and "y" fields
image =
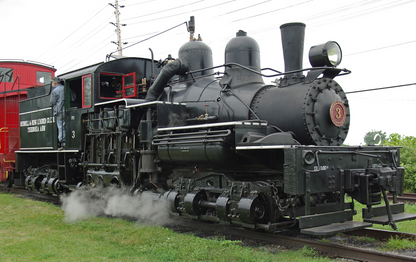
{"x": 377, "y": 37}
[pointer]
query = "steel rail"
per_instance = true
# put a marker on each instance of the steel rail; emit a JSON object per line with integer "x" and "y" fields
{"x": 406, "y": 198}
{"x": 326, "y": 249}
{"x": 381, "y": 234}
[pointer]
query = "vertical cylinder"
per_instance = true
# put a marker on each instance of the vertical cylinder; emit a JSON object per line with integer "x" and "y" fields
{"x": 293, "y": 35}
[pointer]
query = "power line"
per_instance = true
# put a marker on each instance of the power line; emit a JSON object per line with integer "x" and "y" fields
{"x": 90, "y": 34}
{"x": 138, "y": 36}
{"x": 106, "y": 44}
{"x": 368, "y": 11}
{"x": 207, "y": 7}
{"x": 47, "y": 51}
{"x": 151, "y": 37}
{"x": 139, "y": 3}
{"x": 380, "y": 88}
{"x": 237, "y": 10}
{"x": 384, "y": 47}
{"x": 279, "y": 9}
{"x": 166, "y": 10}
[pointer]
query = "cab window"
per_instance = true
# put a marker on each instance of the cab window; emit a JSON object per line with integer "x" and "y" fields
{"x": 86, "y": 91}
{"x": 129, "y": 85}
{"x": 113, "y": 85}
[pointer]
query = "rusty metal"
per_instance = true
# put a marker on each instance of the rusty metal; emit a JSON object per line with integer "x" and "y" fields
{"x": 406, "y": 198}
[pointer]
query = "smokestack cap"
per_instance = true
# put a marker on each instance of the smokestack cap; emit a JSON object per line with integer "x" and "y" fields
{"x": 292, "y": 24}
{"x": 241, "y": 33}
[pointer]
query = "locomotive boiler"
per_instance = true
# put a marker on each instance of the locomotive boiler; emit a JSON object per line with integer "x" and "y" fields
{"x": 222, "y": 147}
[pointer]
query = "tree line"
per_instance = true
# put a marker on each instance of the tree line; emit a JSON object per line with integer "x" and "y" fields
{"x": 407, "y": 153}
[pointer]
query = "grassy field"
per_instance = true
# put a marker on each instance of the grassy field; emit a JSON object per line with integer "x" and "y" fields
{"x": 406, "y": 226}
{"x": 36, "y": 231}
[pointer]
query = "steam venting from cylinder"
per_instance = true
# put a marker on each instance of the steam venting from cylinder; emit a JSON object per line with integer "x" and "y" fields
{"x": 293, "y": 35}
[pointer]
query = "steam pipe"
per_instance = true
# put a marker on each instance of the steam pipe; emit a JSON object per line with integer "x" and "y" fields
{"x": 173, "y": 68}
{"x": 153, "y": 63}
{"x": 293, "y": 35}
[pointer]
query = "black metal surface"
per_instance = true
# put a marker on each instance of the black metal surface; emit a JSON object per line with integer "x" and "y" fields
{"x": 381, "y": 210}
{"x": 325, "y": 218}
{"x": 304, "y": 109}
{"x": 384, "y": 220}
{"x": 293, "y": 35}
{"x": 196, "y": 55}
{"x": 242, "y": 50}
{"x": 333, "y": 229}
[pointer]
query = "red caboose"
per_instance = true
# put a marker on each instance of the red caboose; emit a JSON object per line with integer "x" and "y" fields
{"x": 15, "y": 77}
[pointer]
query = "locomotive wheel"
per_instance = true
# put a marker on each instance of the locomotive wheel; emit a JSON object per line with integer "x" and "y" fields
{"x": 253, "y": 209}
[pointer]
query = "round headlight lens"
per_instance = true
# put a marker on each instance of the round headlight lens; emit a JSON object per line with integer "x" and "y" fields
{"x": 334, "y": 53}
{"x": 328, "y": 54}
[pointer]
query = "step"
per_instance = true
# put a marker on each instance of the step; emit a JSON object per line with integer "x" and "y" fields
{"x": 333, "y": 229}
{"x": 384, "y": 220}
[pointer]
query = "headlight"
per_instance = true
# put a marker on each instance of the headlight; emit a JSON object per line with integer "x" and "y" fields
{"x": 328, "y": 54}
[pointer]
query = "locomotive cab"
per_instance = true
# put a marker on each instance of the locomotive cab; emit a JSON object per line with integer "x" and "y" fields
{"x": 38, "y": 157}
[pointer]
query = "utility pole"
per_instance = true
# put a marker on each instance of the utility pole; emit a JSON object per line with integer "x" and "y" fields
{"x": 117, "y": 25}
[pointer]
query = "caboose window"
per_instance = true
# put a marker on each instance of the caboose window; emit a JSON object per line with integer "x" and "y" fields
{"x": 6, "y": 74}
{"x": 43, "y": 78}
{"x": 86, "y": 91}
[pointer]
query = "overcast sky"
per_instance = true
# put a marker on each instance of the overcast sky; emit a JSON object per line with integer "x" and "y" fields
{"x": 377, "y": 37}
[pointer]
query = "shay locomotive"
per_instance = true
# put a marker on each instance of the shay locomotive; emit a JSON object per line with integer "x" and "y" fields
{"x": 226, "y": 148}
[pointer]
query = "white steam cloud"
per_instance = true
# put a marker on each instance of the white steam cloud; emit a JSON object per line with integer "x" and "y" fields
{"x": 84, "y": 203}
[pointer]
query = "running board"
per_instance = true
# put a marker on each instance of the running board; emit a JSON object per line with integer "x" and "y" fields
{"x": 333, "y": 229}
{"x": 384, "y": 220}
{"x": 377, "y": 211}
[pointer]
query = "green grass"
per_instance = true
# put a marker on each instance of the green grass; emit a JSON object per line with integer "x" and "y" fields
{"x": 405, "y": 226}
{"x": 35, "y": 231}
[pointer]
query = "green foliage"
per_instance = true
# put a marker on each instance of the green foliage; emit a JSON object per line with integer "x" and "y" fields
{"x": 408, "y": 226}
{"x": 368, "y": 239}
{"x": 407, "y": 158}
{"x": 397, "y": 243}
{"x": 309, "y": 252}
{"x": 369, "y": 137}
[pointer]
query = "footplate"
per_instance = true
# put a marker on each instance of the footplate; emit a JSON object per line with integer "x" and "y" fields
{"x": 335, "y": 228}
{"x": 384, "y": 220}
{"x": 382, "y": 210}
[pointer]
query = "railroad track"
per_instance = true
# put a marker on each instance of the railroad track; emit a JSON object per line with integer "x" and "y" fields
{"x": 381, "y": 234}
{"x": 326, "y": 249}
{"x": 35, "y": 195}
{"x": 282, "y": 239}
{"x": 406, "y": 198}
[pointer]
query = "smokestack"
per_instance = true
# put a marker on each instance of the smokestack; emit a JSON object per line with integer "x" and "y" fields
{"x": 293, "y": 35}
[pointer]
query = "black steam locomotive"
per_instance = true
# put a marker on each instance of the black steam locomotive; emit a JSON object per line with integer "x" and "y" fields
{"x": 222, "y": 147}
